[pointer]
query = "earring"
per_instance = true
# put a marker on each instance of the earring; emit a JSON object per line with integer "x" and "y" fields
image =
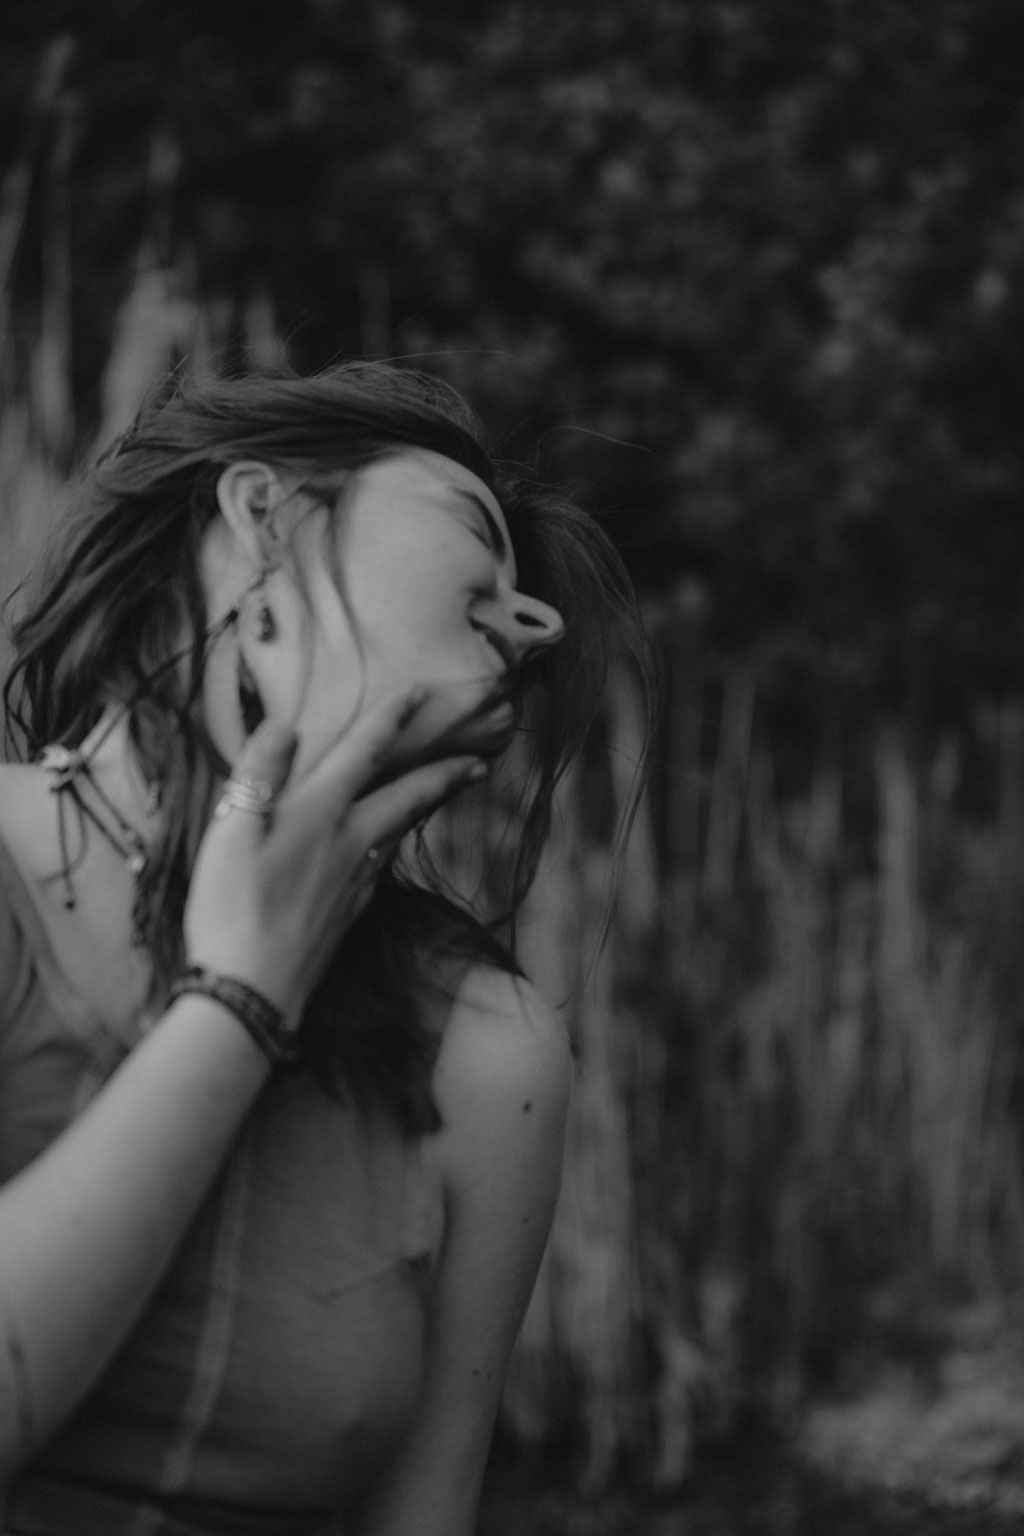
{"x": 266, "y": 629}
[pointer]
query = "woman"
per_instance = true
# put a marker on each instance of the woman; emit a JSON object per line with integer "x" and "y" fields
{"x": 280, "y": 1124}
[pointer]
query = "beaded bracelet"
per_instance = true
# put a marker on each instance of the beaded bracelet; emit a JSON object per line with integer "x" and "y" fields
{"x": 264, "y": 1023}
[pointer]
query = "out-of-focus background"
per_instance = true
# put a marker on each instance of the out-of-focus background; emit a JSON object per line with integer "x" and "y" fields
{"x": 750, "y": 275}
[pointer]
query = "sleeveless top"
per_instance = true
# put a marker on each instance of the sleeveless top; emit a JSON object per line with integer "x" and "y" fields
{"x": 279, "y": 1362}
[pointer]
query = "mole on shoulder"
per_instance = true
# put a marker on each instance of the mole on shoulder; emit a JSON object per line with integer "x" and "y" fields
{"x": 527, "y": 1106}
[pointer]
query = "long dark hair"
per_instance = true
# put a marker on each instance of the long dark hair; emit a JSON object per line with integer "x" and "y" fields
{"x": 120, "y": 586}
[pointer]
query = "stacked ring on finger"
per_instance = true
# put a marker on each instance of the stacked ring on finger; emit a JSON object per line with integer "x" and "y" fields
{"x": 246, "y": 792}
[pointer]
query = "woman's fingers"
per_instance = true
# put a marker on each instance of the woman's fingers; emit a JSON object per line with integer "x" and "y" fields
{"x": 386, "y": 814}
{"x": 259, "y": 775}
{"x": 268, "y": 754}
{"x": 223, "y": 911}
{"x": 354, "y": 759}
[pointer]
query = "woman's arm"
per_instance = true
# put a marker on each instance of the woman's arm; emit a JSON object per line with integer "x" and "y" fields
{"x": 503, "y": 1086}
{"x": 88, "y": 1228}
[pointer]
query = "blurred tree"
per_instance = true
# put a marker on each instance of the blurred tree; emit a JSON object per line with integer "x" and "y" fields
{"x": 748, "y": 268}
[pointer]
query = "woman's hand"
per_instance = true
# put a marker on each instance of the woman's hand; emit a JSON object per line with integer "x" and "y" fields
{"x": 271, "y": 896}
{"x": 475, "y": 718}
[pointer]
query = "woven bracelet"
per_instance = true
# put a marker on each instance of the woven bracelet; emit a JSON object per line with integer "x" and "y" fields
{"x": 259, "y": 1017}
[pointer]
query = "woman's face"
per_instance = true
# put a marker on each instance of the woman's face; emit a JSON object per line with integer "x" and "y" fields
{"x": 425, "y": 562}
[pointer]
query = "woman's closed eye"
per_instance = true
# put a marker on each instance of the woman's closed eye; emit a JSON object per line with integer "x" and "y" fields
{"x": 478, "y": 518}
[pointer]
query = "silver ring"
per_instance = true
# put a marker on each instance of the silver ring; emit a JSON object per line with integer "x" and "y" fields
{"x": 246, "y": 792}
{"x": 373, "y": 854}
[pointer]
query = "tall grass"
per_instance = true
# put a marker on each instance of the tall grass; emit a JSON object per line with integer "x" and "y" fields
{"x": 796, "y": 1133}
{"x": 796, "y": 1064}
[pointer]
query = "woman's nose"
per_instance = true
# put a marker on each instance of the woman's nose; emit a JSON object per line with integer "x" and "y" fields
{"x": 533, "y": 624}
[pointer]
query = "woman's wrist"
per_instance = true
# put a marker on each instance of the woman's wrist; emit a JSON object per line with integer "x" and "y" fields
{"x": 263, "y": 1021}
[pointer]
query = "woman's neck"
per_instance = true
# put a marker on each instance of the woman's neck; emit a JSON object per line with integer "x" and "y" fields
{"x": 112, "y": 779}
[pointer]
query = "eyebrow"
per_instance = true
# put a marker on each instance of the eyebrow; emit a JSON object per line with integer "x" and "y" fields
{"x": 494, "y": 533}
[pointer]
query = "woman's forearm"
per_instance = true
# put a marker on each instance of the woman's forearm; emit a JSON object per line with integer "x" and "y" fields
{"x": 88, "y": 1229}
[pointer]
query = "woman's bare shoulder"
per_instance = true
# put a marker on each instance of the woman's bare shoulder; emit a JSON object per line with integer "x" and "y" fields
{"x": 504, "y": 1071}
{"x": 28, "y": 822}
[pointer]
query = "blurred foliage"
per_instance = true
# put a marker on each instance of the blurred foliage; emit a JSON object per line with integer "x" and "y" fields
{"x": 749, "y": 269}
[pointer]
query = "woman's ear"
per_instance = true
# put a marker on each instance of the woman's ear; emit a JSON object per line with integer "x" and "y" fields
{"x": 248, "y": 494}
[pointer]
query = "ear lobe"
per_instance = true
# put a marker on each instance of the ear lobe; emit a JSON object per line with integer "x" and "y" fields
{"x": 247, "y": 494}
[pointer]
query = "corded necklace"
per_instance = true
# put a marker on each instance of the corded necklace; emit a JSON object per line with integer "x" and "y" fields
{"x": 69, "y": 767}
